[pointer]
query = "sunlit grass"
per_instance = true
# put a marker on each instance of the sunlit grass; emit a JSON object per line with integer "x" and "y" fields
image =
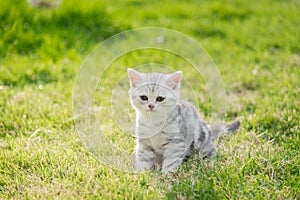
{"x": 255, "y": 46}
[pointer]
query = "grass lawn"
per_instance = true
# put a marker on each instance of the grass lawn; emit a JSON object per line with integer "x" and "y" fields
{"x": 256, "y": 46}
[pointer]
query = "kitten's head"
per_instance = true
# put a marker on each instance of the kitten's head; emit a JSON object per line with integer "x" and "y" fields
{"x": 153, "y": 93}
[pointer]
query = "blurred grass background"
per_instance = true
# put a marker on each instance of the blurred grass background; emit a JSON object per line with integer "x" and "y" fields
{"x": 255, "y": 44}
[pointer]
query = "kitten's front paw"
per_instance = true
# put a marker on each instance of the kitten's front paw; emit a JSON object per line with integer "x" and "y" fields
{"x": 140, "y": 169}
{"x": 170, "y": 169}
{"x": 143, "y": 168}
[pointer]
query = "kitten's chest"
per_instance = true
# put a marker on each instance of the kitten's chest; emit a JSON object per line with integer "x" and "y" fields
{"x": 157, "y": 142}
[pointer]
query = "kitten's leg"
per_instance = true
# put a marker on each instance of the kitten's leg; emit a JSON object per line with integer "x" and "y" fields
{"x": 174, "y": 154}
{"x": 209, "y": 151}
{"x": 205, "y": 141}
{"x": 145, "y": 157}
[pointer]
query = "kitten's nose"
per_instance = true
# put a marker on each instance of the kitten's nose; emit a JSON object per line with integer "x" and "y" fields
{"x": 151, "y": 106}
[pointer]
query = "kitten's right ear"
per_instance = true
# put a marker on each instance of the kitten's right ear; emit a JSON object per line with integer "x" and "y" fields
{"x": 134, "y": 77}
{"x": 173, "y": 80}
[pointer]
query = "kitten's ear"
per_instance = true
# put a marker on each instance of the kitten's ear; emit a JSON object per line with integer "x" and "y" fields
{"x": 173, "y": 79}
{"x": 134, "y": 77}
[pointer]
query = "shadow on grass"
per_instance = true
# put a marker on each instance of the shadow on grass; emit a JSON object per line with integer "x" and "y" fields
{"x": 49, "y": 35}
{"x": 26, "y": 30}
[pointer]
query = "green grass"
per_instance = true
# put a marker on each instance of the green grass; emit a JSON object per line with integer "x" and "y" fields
{"x": 256, "y": 46}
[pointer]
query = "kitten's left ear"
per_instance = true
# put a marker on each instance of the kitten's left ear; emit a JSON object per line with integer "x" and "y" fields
{"x": 173, "y": 79}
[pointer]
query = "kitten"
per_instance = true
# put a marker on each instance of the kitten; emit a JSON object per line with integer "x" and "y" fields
{"x": 168, "y": 129}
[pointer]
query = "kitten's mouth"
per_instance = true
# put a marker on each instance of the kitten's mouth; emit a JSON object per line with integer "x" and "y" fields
{"x": 151, "y": 110}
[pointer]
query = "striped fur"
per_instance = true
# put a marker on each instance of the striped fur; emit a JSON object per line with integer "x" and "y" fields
{"x": 167, "y": 131}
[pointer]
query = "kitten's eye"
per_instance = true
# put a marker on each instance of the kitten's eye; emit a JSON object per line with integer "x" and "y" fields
{"x": 160, "y": 99}
{"x": 144, "y": 98}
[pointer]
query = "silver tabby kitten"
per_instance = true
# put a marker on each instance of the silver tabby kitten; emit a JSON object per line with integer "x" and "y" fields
{"x": 168, "y": 129}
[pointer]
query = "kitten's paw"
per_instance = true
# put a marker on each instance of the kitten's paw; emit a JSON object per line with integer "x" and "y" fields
{"x": 143, "y": 168}
{"x": 169, "y": 169}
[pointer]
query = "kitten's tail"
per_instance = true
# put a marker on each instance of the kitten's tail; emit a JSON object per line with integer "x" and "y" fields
{"x": 220, "y": 129}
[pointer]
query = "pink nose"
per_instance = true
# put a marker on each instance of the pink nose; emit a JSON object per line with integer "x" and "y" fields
{"x": 151, "y": 106}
